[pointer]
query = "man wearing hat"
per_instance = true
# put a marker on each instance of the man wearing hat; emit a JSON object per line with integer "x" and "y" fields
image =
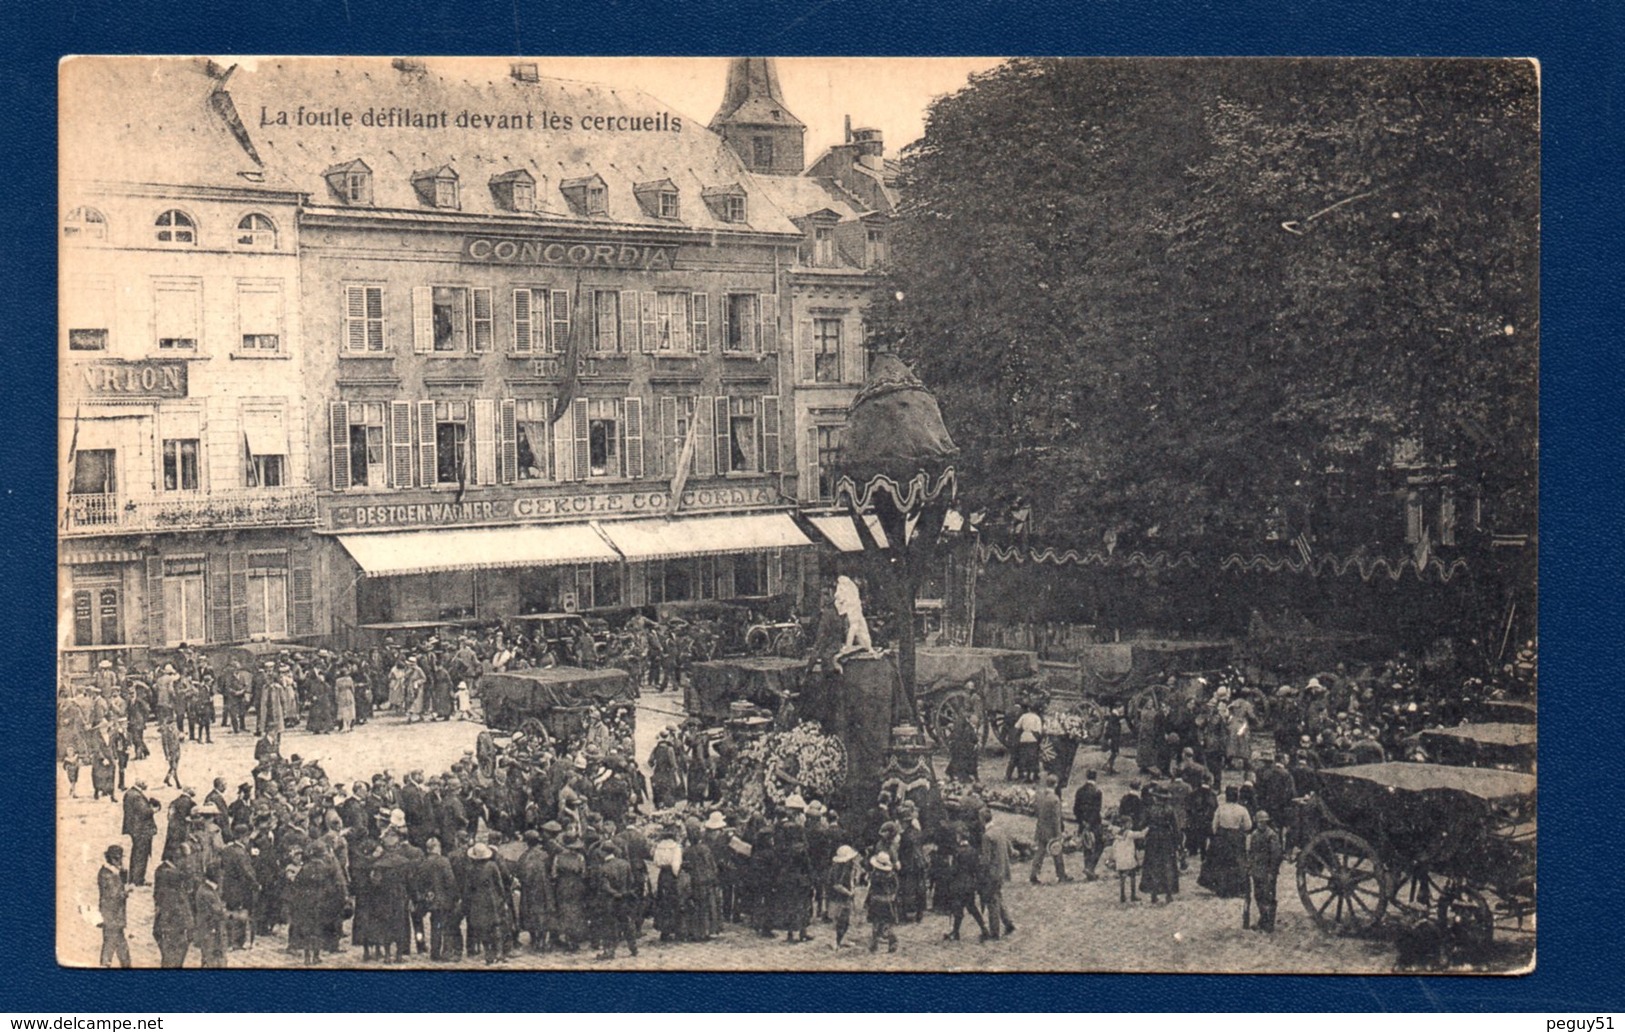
{"x": 1264, "y": 853}
{"x": 111, "y": 892}
{"x": 841, "y": 882}
{"x": 1047, "y": 830}
{"x": 882, "y": 903}
{"x": 619, "y": 898}
{"x": 142, "y": 827}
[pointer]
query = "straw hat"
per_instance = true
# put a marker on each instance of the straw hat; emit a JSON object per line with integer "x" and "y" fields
{"x": 845, "y": 855}
{"x": 880, "y": 861}
{"x": 480, "y": 851}
{"x": 716, "y": 822}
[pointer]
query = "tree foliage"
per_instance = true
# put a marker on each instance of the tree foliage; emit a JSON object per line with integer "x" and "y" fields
{"x": 1165, "y": 297}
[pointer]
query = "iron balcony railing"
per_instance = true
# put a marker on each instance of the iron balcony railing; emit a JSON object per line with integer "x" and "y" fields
{"x": 191, "y": 510}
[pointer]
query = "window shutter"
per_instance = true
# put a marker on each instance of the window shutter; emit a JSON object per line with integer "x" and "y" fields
{"x": 770, "y": 434}
{"x": 338, "y": 422}
{"x": 629, "y": 321}
{"x": 721, "y": 426}
{"x": 702, "y": 322}
{"x": 219, "y": 598}
{"x": 355, "y": 318}
{"x": 482, "y": 320}
{"x": 485, "y": 444}
{"x": 583, "y": 453}
{"x": 560, "y": 306}
{"x": 155, "y": 600}
{"x": 238, "y": 570}
{"x": 422, "y": 319}
{"x": 301, "y": 585}
{"x": 853, "y": 355}
{"x": 508, "y": 447}
{"x": 808, "y": 346}
{"x": 649, "y": 331}
{"x": 769, "y": 320}
{"x": 775, "y": 572}
{"x": 400, "y": 443}
{"x": 670, "y": 446}
{"x": 703, "y": 466}
{"x": 522, "y": 321}
{"x": 809, "y": 468}
{"x": 634, "y": 437}
{"x": 428, "y": 464}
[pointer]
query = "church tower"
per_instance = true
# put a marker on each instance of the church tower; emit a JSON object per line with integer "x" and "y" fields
{"x": 754, "y": 122}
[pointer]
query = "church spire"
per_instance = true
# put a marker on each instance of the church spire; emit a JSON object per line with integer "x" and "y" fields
{"x": 754, "y": 121}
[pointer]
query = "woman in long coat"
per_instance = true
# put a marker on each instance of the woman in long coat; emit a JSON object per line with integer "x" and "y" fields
{"x": 344, "y": 694}
{"x": 1159, "y": 873}
{"x": 669, "y": 901}
{"x": 665, "y": 779}
{"x": 486, "y": 904}
{"x": 367, "y": 929}
{"x": 964, "y": 742}
{"x": 1224, "y": 869}
{"x": 570, "y": 895}
{"x": 705, "y": 915}
{"x": 314, "y": 897}
{"x": 323, "y": 707}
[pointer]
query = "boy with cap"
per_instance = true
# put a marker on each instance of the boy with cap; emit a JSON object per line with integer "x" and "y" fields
{"x": 842, "y": 885}
{"x": 882, "y": 903}
{"x": 1264, "y": 851}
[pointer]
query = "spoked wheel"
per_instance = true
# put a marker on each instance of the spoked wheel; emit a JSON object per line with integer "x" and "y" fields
{"x": 787, "y": 644}
{"x": 946, "y": 714}
{"x": 1465, "y": 918}
{"x": 531, "y": 727}
{"x": 997, "y": 722}
{"x": 1342, "y": 883}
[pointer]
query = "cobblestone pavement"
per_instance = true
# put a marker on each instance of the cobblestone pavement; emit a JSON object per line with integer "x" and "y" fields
{"x": 1079, "y": 926}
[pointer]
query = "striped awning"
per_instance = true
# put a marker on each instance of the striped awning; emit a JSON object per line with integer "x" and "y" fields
{"x": 840, "y": 532}
{"x": 704, "y": 535}
{"x": 494, "y": 548}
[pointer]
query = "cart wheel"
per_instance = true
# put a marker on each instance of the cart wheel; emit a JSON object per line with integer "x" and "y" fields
{"x": 758, "y": 641}
{"x": 533, "y": 728}
{"x": 998, "y": 722}
{"x": 1342, "y": 883}
{"x": 1465, "y": 919}
{"x": 787, "y": 644}
{"x": 940, "y": 721}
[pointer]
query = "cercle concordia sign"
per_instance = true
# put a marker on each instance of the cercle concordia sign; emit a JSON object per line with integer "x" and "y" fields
{"x": 567, "y": 254}
{"x": 415, "y": 512}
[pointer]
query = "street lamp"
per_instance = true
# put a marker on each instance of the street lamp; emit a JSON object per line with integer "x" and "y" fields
{"x": 896, "y": 462}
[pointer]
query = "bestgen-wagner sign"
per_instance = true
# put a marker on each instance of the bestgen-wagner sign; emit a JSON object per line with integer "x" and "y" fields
{"x": 561, "y": 254}
{"x": 548, "y": 508}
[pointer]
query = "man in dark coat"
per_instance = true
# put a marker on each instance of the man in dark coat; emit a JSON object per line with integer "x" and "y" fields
{"x": 1047, "y": 829}
{"x": 435, "y": 890}
{"x": 142, "y": 827}
{"x": 1086, "y": 805}
{"x": 1264, "y": 852}
{"x": 1132, "y": 806}
{"x": 485, "y": 904}
{"x": 1274, "y": 790}
{"x": 615, "y": 885}
{"x": 111, "y": 893}
{"x": 535, "y": 890}
{"x": 217, "y": 799}
{"x": 239, "y": 887}
{"x": 172, "y": 918}
{"x": 180, "y": 810}
{"x": 210, "y": 926}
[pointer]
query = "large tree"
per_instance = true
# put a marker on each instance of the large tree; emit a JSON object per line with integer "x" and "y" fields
{"x": 1164, "y": 297}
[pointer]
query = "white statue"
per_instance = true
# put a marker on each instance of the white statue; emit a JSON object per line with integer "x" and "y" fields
{"x": 850, "y": 605}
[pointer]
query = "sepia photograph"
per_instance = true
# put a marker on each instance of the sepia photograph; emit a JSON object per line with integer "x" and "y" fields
{"x": 798, "y": 514}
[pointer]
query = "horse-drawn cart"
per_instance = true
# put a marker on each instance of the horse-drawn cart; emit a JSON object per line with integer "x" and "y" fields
{"x": 557, "y": 699}
{"x": 1455, "y": 845}
{"x": 985, "y": 684}
{"x": 1507, "y": 746}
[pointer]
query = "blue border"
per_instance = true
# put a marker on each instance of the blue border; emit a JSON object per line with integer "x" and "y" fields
{"x": 1580, "y": 46}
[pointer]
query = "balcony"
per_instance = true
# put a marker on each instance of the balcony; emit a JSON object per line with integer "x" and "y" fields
{"x": 229, "y": 509}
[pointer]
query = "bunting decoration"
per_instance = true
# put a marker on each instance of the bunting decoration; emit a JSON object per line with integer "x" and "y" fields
{"x": 906, "y": 497}
{"x": 1314, "y": 565}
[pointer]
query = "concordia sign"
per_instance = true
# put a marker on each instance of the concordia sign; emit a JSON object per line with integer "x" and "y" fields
{"x": 596, "y": 254}
{"x": 548, "y": 508}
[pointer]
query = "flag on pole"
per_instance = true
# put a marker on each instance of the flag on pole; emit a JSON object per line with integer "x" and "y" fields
{"x": 572, "y": 356}
{"x": 685, "y": 458}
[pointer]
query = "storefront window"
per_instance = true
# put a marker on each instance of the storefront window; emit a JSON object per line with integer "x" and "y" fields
{"x": 183, "y": 601}
{"x": 268, "y": 595}
{"x": 606, "y": 585}
{"x": 750, "y": 575}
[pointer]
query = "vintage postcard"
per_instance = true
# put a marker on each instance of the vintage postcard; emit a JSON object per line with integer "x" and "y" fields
{"x": 798, "y": 514}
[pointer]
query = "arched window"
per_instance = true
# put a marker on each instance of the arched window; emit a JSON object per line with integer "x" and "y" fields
{"x": 176, "y": 227}
{"x": 256, "y": 230}
{"x": 85, "y": 224}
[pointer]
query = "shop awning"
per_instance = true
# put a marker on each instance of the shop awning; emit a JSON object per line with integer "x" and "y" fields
{"x": 844, "y": 536}
{"x": 492, "y": 548}
{"x": 704, "y": 535}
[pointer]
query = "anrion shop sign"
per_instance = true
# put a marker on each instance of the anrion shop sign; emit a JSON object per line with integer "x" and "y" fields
{"x": 549, "y": 507}
{"x": 562, "y": 254}
{"x": 113, "y": 379}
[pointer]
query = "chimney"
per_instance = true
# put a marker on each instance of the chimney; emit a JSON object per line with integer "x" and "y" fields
{"x": 871, "y": 147}
{"x": 524, "y": 71}
{"x": 848, "y": 129}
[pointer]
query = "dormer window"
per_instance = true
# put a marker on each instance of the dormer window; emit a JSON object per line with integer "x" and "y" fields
{"x": 350, "y": 182}
{"x": 658, "y": 198}
{"x": 727, "y": 203}
{"x": 437, "y": 186}
{"x": 588, "y": 195}
{"x": 514, "y": 190}
{"x": 85, "y": 224}
{"x": 875, "y": 251}
{"x": 176, "y": 227}
{"x": 824, "y": 246}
